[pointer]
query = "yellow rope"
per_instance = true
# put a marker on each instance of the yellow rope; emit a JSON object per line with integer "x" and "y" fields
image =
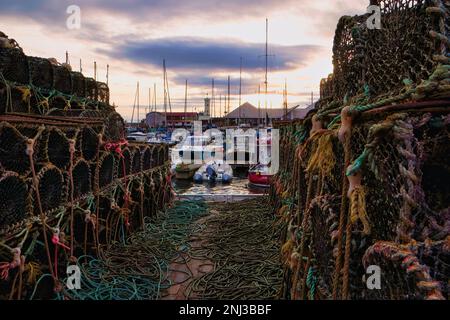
{"x": 33, "y": 272}
{"x": 286, "y": 251}
{"x": 323, "y": 158}
{"x": 26, "y": 93}
{"x": 358, "y": 208}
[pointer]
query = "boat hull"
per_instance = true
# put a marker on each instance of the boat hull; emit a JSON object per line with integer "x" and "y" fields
{"x": 259, "y": 180}
{"x": 209, "y": 173}
{"x": 187, "y": 172}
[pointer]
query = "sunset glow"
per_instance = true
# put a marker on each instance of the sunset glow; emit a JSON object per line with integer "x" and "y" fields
{"x": 200, "y": 40}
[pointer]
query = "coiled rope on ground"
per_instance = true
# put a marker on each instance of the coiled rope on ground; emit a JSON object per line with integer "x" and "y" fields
{"x": 243, "y": 241}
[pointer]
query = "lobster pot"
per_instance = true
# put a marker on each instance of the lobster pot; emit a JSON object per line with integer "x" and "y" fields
{"x": 103, "y": 92}
{"x": 62, "y": 80}
{"x": 136, "y": 164}
{"x": 13, "y": 148}
{"x": 76, "y": 107}
{"x": 114, "y": 127}
{"x": 91, "y": 89}
{"x": 405, "y": 38}
{"x": 14, "y": 199}
{"x": 326, "y": 87}
{"x": 119, "y": 195}
{"x": 40, "y": 154}
{"x": 92, "y": 114}
{"x": 58, "y": 103}
{"x": 105, "y": 108}
{"x": 146, "y": 159}
{"x": 323, "y": 221}
{"x": 78, "y": 84}
{"x": 163, "y": 154}
{"x": 14, "y": 65}
{"x": 148, "y": 184}
{"x": 20, "y": 99}
{"x": 409, "y": 278}
{"x": 89, "y": 143}
{"x": 52, "y": 189}
{"x": 348, "y": 57}
{"x": 154, "y": 150}
{"x": 58, "y": 149}
{"x": 41, "y": 72}
{"x": 91, "y": 105}
{"x": 434, "y": 139}
{"x": 3, "y": 98}
{"x": 105, "y": 213}
{"x": 384, "y": 192}
{"x": 81, "y": 179}
{"x": 137, "y": 197}
{"x": 166, "y": 153}
{"x": 124, "y": 166}
{"x": 106, "y": 169}
{"x": 135, "y": 189}
{"x": 150, "y": 196}
{"x": 405, "y": 174}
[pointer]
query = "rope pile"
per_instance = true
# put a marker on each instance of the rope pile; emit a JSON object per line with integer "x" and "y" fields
{"x": 242, "y": 241}
{"x": 363, "y": 180}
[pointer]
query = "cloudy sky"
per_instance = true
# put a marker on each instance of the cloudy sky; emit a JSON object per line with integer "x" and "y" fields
{"x": 200, "y": 40}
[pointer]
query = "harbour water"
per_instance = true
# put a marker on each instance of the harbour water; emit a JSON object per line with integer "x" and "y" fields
{"x": 239, "y": 186}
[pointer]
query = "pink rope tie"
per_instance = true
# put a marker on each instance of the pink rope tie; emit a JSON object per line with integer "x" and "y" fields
{"x": 56, "y": 240}
{"x": 5, "y": 267}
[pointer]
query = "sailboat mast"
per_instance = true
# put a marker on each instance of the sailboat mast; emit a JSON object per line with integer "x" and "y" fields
{"x": 134, "y": 108}
{"x": 107, "y": 75}
{"x": 240, "y": 90}
{"x": 229, "y": 94}
{"x": 213, "y": 101}
{"x": 154, "y": 101}
{"x": 165, "y": 92}
{"x": 220, "y": 106}
{"x": 266, "y": 82}
{"x": 149, "y": 100}
{"x": 138, "y": 115}
{"x": 185, "y": 103}
{"x": 285, "y": 102}
{"x": 259, "y": 104}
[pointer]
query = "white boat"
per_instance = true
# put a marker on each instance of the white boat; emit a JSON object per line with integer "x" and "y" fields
{"x": 216, "y": 171}
{"x": 195, "y": 150}
{"x": 137, "y": 137}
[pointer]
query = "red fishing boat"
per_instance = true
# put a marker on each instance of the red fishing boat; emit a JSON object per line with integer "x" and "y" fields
{"x": 259, "y": 176}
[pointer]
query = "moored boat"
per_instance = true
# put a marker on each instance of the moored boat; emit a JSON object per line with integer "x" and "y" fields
{"x": 217, "y": 171}
{"x": 260, "y": 176}
{"x": 186, "y": 171}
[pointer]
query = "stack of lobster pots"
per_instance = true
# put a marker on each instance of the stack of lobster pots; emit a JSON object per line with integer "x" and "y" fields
{"x": 68, "y": 178}
{"x": 363, "y": 186}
